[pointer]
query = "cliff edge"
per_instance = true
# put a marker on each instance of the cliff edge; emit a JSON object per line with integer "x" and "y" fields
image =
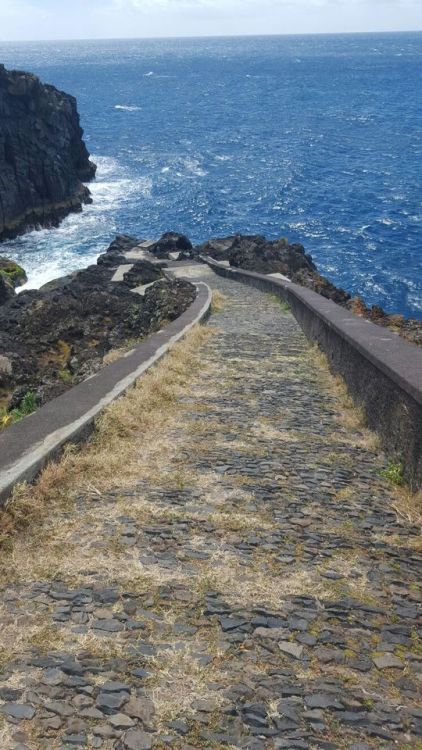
{"x": 43, "y": 158}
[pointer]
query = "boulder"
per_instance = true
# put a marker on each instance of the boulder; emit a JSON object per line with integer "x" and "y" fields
{"x": 170, "y": 242}
{"x": 115, "y": 254}
{"x": 216, "y": 248}
{"x": 111, "y": 260}
{"x": 122, "y": 243}
{"x": 12, "y": 272}
{"x": 258, "y": 254}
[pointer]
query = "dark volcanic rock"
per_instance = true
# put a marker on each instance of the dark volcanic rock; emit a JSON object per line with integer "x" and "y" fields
{"x": 122, "y": 244}
{"x": 170, "y": 242}
{"x": 256, "y": 253}
{"x": 43, "y": 159}
{"x": 115, "y": 254}
{"x": 7, "y": 291}
{"x": 321, "y": 285}
{"x": 142, "y": 272}
{"x": 263, "y": 256}
{"x": 216, "y": 248}
{"x": 53, "y": 338}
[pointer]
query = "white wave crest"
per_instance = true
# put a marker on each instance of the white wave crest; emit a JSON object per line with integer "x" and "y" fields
{"x": 50, "y": 253}
{"x": 127, "y": 108}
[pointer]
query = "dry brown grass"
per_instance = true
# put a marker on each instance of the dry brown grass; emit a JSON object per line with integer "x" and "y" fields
{"x": 349, "y": 415}
{"x": 179, "y": 680}
{"x": 255, "y": 583}
{"x": 407, "y": 505}
{"x": 128, "y": 441}
{"x": 401, "y": 541}
{"x": 22, "y": 633}
{"x": 6, "y": 732}
{"x": 114, "y": 354}
{"x": 218, "y": 302}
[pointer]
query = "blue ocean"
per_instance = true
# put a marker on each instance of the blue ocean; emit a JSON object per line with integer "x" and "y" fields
{"x": 316, "y": 138}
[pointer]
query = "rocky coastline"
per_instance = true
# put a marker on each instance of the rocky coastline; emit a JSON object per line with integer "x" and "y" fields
{"x": 256, "y": 253}
{"x": 44, "y": 162}
{"x": 56, "y": 336}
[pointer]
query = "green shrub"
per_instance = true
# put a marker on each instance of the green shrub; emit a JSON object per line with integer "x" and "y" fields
{"x": 26, "y": 406}
{"x": 394, "y": 473}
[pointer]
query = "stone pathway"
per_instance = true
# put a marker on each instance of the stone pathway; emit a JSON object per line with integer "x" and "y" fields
{"x": 258, "y": 591}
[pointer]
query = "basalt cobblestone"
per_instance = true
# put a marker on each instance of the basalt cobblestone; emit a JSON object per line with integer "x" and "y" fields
{"x": 276, "y": 603}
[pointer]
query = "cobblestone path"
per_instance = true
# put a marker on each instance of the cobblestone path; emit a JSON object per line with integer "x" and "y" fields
{"x": 257, "y": 591}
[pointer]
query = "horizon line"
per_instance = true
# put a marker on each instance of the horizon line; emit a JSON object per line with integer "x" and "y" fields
{"x": 208, "y": 36}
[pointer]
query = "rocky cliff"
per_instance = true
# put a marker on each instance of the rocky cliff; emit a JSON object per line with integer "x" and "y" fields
{"x": 43, "y": 159}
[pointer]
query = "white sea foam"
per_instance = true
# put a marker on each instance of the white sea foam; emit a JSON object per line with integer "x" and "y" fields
{"x": 50, "y": 253}
{"x": 385, "y": 220}
{"x": 127, "y": 108}
{"x": 148, "y": 75}
{"x": 193, "y": 167}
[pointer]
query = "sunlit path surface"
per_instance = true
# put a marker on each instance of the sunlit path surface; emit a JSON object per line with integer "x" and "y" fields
{"x": 253, "y": 587}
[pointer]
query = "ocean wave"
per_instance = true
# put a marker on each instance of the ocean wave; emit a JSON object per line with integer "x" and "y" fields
{"x": 105, "y": 165}
{"x": 193, "y": 167}
{"x": 47, "y": 254}
{"x": 127, "y": 108}
{"x": 386, "y": 221}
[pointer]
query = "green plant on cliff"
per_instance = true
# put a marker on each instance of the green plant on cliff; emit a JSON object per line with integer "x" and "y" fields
{"x": 394, "y": 473}
{"x": 65, "y": 375}
{"x": 26, "y": 406}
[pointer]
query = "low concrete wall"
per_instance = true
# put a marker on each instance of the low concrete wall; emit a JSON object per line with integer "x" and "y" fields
{"x": 27, "y": 446}
{"x": 382, "y": 371}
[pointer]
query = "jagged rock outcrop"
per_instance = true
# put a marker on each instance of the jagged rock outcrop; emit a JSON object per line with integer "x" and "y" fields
{"x": 54, "y": 337}
{"x": 170, "y": 242}
{"x": 258, "y": 254}
{"x": 43, "y": 159}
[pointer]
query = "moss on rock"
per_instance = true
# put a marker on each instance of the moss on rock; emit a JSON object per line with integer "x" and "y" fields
{"x": 12, "y": 272}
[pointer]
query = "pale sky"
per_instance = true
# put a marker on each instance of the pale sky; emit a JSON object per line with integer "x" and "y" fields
{"x": 102, "y": 19}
